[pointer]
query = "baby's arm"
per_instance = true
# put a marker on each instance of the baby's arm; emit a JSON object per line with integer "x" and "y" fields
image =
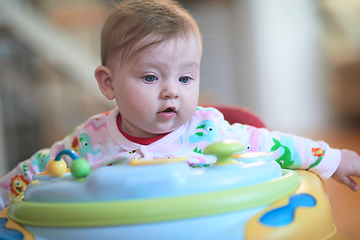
{"x": 290, "y": 151}
{"x": 349, "y": 166}
{"x": 15, "y": 182}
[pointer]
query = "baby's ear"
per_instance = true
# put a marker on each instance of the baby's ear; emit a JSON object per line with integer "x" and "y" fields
{"x": 103, "y": 77}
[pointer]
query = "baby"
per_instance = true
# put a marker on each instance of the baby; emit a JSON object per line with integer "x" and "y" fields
{"x": 151, "y": 52}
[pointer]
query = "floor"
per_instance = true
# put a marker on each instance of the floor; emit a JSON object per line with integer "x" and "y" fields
{"x": 345, "y": 203}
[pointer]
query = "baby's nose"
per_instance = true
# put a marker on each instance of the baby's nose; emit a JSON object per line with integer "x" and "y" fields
{"x": 170, "y": 91}
{"x": 172, "y": 94}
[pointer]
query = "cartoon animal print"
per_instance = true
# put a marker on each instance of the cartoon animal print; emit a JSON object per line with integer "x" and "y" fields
{"x": 180, "y": 139}
{"x": 7, "y": 187}
{"x": 120, "y": 160}
{"x": 196, "y": 150}
{"x": 59, "y": 148}
{"x": 75, "y": 145}
{"x": 285, "y": 159}
{"x": 207, "y": 132}
{"x": 25, "y": 169}
{"x": 194, "y": 160}
{"x": 319, "y": 153}
{"x": 86, "y": 145}
{"x": 203, "y": 112}
{"x": 18, "y": 185}
{"x": 106, "y": 113}
{"x": 94, "y": 125}
{"x": 40, "y": 160}
{"x": 290, "y": 157}
{"x": 200, "y": 165}
{"x": 254, "y": 140}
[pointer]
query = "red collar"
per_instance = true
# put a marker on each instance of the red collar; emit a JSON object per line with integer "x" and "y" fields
{"x": 142, "y": 141}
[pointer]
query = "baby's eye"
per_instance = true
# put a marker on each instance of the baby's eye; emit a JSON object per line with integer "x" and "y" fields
{"x": 184, "y": 79}
{"x": 150, "y": 78}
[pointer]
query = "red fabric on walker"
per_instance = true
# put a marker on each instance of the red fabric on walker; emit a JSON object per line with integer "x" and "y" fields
{"x": 238, "y": 114}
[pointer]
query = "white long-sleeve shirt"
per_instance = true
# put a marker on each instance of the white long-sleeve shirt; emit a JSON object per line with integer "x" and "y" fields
{"x": 101, "y": 143}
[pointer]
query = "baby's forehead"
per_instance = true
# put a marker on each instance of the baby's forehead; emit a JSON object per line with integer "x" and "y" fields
{"x": 151, "y": 47}
{"x": 176, "y": 45}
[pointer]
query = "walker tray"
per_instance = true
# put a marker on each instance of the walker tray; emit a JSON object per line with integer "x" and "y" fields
{"x": 250, "y": 197}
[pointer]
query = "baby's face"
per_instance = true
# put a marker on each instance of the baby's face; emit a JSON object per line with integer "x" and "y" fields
{"x": 157, "y": 91}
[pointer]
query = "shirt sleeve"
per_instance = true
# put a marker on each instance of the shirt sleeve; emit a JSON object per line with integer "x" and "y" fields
{"x": 290, "y": 151}
{"x": 15, "y": 182}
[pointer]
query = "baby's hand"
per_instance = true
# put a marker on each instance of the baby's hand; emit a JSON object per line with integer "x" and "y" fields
{"x": 349, "y": 166}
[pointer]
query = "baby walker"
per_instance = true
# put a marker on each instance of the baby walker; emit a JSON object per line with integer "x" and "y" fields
{"x": 241, "y": 196}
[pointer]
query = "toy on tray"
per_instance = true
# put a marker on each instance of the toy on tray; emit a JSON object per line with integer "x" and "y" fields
{"x": 242, "y": 196}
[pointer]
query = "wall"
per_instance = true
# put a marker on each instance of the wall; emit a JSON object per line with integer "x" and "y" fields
{"x": 268, "y": 56}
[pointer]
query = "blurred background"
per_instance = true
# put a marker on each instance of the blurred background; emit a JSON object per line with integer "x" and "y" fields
{"x": 296, "y": 63}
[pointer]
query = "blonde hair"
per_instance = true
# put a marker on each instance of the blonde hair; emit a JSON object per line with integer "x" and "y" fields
{"x": 133, "y": 20}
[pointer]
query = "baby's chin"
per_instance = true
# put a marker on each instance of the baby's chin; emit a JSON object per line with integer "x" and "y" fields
{"x": 161, "y": 132}
{"x": 164, "y": 130}
{"x": 164, "y": 127}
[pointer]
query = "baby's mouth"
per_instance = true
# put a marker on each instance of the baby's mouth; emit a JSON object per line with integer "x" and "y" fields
{"x": 169, "y": 110}
{"x": 168, "y": 113}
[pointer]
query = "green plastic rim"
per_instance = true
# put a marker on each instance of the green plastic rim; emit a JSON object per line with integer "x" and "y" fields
{"x": 152, "y": 210}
